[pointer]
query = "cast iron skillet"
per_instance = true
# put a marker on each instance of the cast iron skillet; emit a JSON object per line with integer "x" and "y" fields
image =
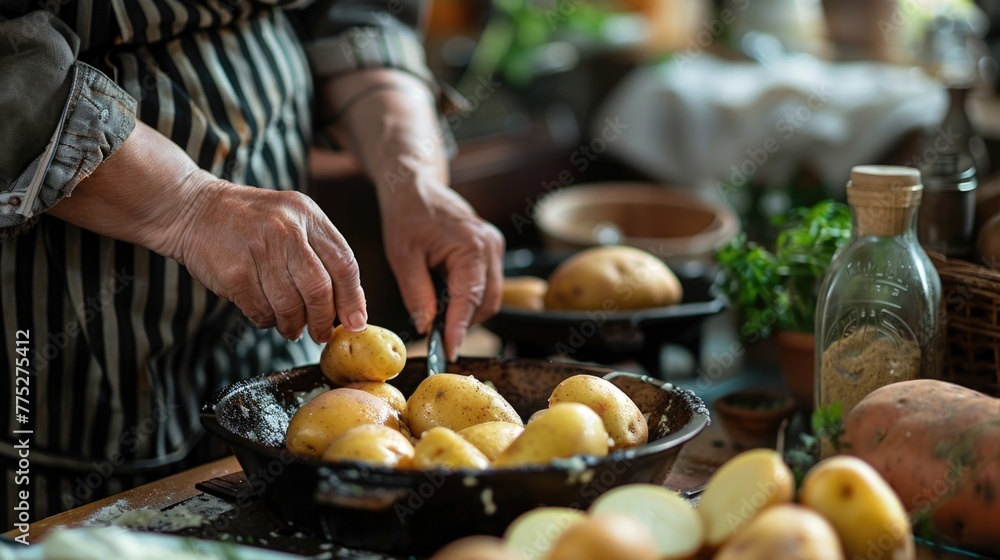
{"x": 408, "y": 512}
{"x": 626, "y": 331}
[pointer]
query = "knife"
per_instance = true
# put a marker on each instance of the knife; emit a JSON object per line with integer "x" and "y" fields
{"x": 437, "y": 360}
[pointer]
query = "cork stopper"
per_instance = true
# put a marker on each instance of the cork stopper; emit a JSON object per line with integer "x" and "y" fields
{"x": 883, "y": 198}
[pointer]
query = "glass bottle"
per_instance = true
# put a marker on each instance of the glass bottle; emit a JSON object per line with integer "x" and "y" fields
{"x": 948, "y": 170}
{"x": 876, "y": 317}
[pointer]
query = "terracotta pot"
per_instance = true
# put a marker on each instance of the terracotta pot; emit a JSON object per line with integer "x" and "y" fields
{"x": 753, "y": 417}
{"x": 797, "y": 355}
{"x": 672, "y": 223}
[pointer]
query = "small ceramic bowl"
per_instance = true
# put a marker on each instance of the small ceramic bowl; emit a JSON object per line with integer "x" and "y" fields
{"x": 753, "y": 417}
{"x": 672, "y": 223}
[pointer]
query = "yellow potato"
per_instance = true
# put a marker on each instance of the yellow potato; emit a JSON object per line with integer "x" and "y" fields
{"x": 861, "y": 506}
{"x": 374, "y": 354}
{"x": 384, "y": 391}
{"x": 476, "y": 548}
{"x": 456, "y": 402}
{"x": 566, "y": 430}
{"x": 675, "y": 526}
{"x": 605, "y": 536}
{"x": 784, "y": 531}
{"x": 441, "y": 448}
{"x": 622, "y": 418}
{"x": 745, "y": 485}
{"x": 533, "y": 533}
{"x": 536, "y": 415}
{"x": 525, "y": 292}
{"x": 330, "y": 415}
{"x": 612, "y": 278}
{"x": 492, "y": 437}
{"x": 372, "y": 444}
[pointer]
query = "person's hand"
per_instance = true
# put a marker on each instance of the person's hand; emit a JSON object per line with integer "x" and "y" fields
{"x": 273, "y": 253}
{"x": 430, "y": 227}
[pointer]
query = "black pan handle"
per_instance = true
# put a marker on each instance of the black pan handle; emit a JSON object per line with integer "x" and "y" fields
{"x": 661, "y": 384}
{"x": 337, "y": 492}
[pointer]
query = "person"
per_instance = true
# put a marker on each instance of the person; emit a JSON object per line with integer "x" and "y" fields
{"x": 151, "y": 196}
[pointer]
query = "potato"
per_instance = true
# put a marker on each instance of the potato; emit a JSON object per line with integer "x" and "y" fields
{"x": 372, "y": 444}
{"x": 622, "y": 418}
{"x": 745, "y": 485}
{"x": 784, "y": 531}
{"x": 566, "y": 430}
{"x": 936, "y": 444}
{"x": 492, "y": 437}
{"x": 330, "y": 415}
{"x": 384, "y": 391}
{"x": 605, "y": 536}
{"x": 612, "y": 278}
{"x": 533, "y": 533}
{"x": 536, "y": 415}
{"x": 441, "y": 448}
{"x": 455, "y": 402}
{"x": 866, "y": 513}
{"x": 675, "y": 526}
{"x": 476, "y": 548}
{"x": 374, "y": 354}
{"x": 525, "y": 292}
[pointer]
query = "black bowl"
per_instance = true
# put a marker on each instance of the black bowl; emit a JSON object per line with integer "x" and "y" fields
{"x": 410, "y": 512}
{"x": 607, "y": 337}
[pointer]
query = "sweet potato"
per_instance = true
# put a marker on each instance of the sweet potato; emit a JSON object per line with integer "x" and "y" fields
{"x": 938, "y": 446}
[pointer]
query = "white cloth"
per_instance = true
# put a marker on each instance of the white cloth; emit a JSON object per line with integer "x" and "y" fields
{"x": 697, "y": 121}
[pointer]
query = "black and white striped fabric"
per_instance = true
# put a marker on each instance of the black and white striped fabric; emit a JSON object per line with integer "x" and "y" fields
{"x": 126, "y": 345}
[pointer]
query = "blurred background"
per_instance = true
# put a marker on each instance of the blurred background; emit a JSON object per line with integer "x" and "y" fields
{"x": 743, "y": 109}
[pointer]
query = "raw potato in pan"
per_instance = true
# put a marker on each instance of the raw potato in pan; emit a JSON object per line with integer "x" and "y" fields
{"x": 622, "y": 418}
{"x": 322, "y": 420}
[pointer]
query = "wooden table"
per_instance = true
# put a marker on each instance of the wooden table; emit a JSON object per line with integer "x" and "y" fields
{"x": 157, "y": 495}
{"x": 179, "y": 487}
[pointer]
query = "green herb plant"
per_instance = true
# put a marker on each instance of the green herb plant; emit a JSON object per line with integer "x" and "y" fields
{"x": 827, "y": 425}
{"x": 509, "y": 45}
{"x": 778, "y": 290}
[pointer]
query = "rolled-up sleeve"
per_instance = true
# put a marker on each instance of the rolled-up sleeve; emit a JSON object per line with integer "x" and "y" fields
{"x": 346, "y": 35}
{"x": 62, "y": 117}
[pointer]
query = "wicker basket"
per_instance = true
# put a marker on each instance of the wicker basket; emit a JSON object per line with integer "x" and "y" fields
{"x": 970, "y": 296}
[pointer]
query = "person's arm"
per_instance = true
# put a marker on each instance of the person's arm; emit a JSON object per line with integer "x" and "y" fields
{"x": 74, "y": 150}
{"x": 377, "y": 98}
{"x": 394, "y": 133}
{"x": 274, "y": 254}
{"x": 61, "y": 118}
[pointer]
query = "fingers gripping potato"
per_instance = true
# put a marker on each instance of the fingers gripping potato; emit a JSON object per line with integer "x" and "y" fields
{"x": 328, "y": 416}
{"x": 374, "y": 354}
{"x": 441, "y": 448}
{"x": 455, "y": 402}
{"x": 566, "y": 430}
{"x": 622, "y": 418}
{"x": 372, "y": 444}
